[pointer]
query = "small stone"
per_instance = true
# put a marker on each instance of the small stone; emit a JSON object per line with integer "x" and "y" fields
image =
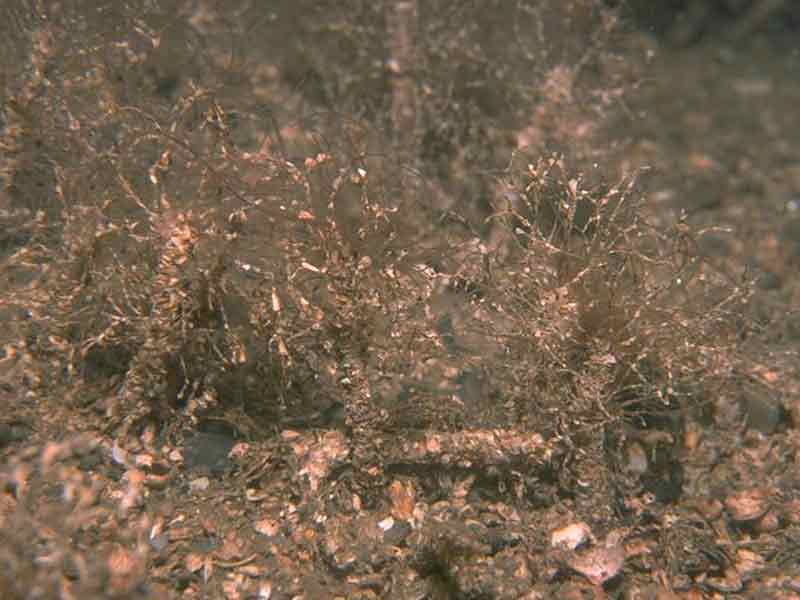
{"x": 791, "y": 511}
{"x": 731, "y": 583}
{"x": 636, "y": 459}
{"x": 709, "y": 508}
{"x": 397, "y": 533}
{"x": 747, "y": 505}
{"x": 157, "y": 482}
{"x": 199, "y": 485}
{"x": 599, "y": 564}
{"x": 251, "y": 571}
{"x": 769, "y": 523}
{"x": 268, "y": 527}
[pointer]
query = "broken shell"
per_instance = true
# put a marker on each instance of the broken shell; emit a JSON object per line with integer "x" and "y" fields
{"x": 747, "y": 505}
{"x": 709, "y": 508}
{"x": 792, "y": 511}
{"x": 570, "y": 537}
{"x": 599, "y": 564}
{"x": 769, "y": 523}
{"x": 749, "y": 563}
{"x": 157, "y": 482}
{"x": 730, "y": 584}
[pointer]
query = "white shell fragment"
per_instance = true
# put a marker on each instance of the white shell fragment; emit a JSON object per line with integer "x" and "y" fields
{"x": 571, "y": 537}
